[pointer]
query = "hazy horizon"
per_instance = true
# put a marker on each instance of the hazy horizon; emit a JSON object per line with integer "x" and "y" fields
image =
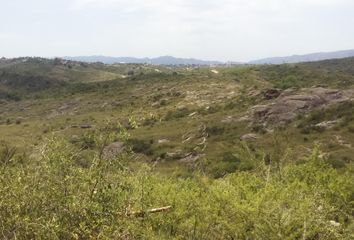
{"x": 182, "y": 57}
{"x": 223, "y": 30}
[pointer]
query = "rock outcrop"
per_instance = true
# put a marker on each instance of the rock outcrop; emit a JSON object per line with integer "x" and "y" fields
{"x": 290, "y": 103}
{"x": 271, "y": 94}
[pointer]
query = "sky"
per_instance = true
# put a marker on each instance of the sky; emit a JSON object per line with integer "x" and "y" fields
{"x": 226, "y": 30}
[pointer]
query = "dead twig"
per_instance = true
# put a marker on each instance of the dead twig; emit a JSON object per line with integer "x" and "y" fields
{"x": 154, "y": 210}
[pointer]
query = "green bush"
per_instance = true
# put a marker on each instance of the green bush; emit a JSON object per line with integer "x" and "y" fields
{"x": 288, "y": 82}
{"x": 178, "y": 113}
{"x": 52, "y": 197}
{"x": 140, "y": 146}
{"x": 7, "y": 154}
{"x": 215, "y": 130}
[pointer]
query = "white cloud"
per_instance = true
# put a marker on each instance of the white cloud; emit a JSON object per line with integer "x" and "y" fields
{"x": 122, "y": 4}
{"x": 7, "y": 36}
{"x": 224, "y": 29}
{"x": 220, "y": 29}
{"x": 78, "y": 4}
{"x": 324, "y": 2}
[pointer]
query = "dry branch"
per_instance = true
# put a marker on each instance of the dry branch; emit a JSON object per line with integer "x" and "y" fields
{"x": 154, "y": 210}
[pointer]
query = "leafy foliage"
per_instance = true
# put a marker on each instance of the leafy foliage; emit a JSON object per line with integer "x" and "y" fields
{"x": 184, "y": 127}
{"x": 52, "y": 197}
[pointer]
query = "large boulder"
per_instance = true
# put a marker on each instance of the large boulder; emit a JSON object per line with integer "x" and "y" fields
{"x": 290, "y": 103}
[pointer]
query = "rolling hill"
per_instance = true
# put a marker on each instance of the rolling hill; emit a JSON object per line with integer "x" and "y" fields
{"x": 313, "y": 57}
{"x": 142, "y": 151}
{"x": 163, "y": 60}
{"x": 169, "y": 60}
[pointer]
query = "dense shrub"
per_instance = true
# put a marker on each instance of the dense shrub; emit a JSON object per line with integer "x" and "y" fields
{"x": 10, "y": 96}
{"x": 288, "y": 82}
{"x": 140, "y": 146}
{"x": 178, "y": 113}
{"x": 53, "y": 197}
{"x": 7, "y": 154}
{"x": 215, "y": 130}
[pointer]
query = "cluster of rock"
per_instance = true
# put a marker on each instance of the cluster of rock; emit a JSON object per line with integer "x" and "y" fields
{"x": 290, "y": 103}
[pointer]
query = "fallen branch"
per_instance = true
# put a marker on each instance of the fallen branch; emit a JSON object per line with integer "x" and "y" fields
{"x": 154, "y": 210}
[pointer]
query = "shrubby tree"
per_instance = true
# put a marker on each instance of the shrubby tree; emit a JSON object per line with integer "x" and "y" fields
{"x": 50, "y": 196}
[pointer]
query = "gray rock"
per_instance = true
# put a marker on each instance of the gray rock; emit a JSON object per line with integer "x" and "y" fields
{"x": 162, "y": 141}
{"x": 327, "y": 124}
{"x": 113, "y": 150}
{"x": 271, "y": 94}
{"x": 291, "y": 103}
{"x": 249, "y": 136}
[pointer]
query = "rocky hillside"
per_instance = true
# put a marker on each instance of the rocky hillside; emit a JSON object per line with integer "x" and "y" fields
{"x": 180, "y": 117}
{"x": 138, "y": 151}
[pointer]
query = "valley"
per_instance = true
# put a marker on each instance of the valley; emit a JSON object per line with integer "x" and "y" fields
{"x": 171, "y": 105}
{"x": 138, "y": 151}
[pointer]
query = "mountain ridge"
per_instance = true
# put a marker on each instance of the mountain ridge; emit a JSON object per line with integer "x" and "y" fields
{"x": 162, "y": 60}
{"x": 170, "y": 60}
{"x": 311, "y": 57}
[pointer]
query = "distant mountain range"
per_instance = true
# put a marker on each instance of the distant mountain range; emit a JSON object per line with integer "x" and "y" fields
{"x": 169, "y": 60}
{"x": 313, "y": 57}
{"x": 164, "y": 60}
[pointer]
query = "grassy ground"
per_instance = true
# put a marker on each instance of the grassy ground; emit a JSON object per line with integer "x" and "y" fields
{"x": 173, "y": 104}
{"x": 182, "y": 129}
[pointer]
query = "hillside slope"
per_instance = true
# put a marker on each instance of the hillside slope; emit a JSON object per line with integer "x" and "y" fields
{"x": 163, "y": 60}
{"x": 138, "y": 151}
{"x": 313, "y": 57}
{"x": 181, "y": 115}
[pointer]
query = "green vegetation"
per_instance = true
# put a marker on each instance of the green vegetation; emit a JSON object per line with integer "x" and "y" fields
{"x": 52, "y": 196}
{"x": 87, "y": 150}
